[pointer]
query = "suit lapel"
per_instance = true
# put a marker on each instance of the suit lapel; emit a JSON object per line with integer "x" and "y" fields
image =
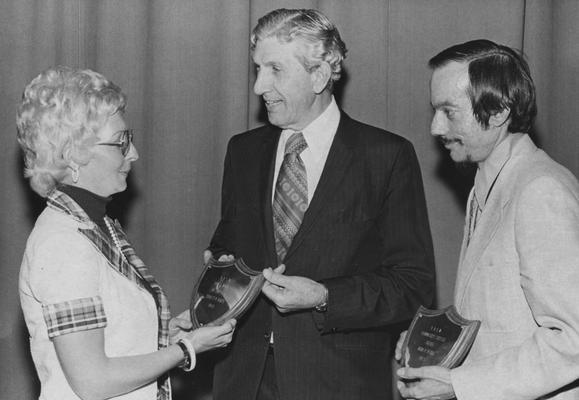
{"x": 492, "y": 215}
{"x": 488, "y": 223}
{"x": 267, "y": 168}
{"x": 466, "y": 228}
{"x": 337, "y": 163}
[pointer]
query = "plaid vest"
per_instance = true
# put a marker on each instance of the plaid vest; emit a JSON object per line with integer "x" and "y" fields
{"x": 126, "y": 263}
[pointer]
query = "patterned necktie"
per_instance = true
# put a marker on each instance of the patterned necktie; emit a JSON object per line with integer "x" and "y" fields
{"x": 290, "y": 201}
{"x": 473, "y": 214}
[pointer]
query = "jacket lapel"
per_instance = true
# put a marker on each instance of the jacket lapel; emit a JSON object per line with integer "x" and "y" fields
{"x": 488, "y": 223}
{"x": 266, "y": 187}
{"x": 337, "y": 163}
{"x": 491, "y": 217}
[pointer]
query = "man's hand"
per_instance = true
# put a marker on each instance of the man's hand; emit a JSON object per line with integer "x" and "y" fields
{"x": 398, "y": 351}
{"x": 432, "y": 383}
{"x": 291, "y": 293}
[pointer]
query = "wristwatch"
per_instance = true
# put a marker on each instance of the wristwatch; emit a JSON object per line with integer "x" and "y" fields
{"x": 323, "y": 306}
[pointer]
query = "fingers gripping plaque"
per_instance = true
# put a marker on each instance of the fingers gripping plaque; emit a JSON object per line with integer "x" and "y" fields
{"x": 225, "y": 290}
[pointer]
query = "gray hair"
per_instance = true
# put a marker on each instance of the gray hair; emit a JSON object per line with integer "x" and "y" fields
{"x": 312, "y": 27}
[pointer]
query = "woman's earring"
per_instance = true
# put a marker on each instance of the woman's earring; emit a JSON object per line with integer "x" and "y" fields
{"x": 74, "y": 167}
{"x": 75, "y": 175}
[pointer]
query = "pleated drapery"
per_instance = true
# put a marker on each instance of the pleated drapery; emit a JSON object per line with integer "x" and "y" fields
{"x": 188, "y": 74}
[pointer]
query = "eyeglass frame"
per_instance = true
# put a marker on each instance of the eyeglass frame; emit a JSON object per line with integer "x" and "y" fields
{"x": 124, "y": 143}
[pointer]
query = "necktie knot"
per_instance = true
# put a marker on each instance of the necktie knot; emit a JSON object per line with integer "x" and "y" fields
{"x": 295, "y": 144}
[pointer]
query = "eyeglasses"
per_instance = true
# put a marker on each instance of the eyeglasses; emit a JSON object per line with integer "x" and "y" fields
{"x": 124, "y": 142}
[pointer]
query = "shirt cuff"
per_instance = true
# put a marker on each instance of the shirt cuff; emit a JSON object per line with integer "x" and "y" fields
{"x": 74, "y": 316}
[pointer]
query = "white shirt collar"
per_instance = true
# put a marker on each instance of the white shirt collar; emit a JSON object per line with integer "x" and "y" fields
{"x": 490, "y": 168}
{"x": 319, "y": 134}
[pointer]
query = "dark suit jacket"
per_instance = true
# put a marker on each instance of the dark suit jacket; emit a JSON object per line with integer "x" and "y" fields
{"x": 365, "y": 235}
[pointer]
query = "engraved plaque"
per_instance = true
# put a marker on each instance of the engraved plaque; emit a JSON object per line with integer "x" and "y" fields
{"x": 438, "y": 337}
{"x": 225, "y": 290}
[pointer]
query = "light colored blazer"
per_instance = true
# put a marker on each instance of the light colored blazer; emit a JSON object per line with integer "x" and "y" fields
{"x": 520, "y": 276}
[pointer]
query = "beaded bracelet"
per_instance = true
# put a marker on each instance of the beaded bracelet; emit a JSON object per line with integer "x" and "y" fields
{"x": 190, "y": 359}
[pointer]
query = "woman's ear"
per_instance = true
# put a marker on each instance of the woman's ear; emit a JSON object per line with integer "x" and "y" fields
{"x": 72, "y": 162}
{"x": 68, "y": 155}
{"x": 79, "y": 153}
{"x": 73, "y": 165}
{"x": 321, "y": 75}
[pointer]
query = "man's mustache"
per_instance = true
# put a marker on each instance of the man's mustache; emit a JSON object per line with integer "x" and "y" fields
{"x": 445, "y": 141}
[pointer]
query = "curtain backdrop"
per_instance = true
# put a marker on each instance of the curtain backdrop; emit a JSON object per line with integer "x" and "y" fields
{"x": 186, "y": 69}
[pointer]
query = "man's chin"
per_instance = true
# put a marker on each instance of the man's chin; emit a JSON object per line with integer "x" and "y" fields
{"x": 466, "y": 167}
{"x": 271, "y": 117}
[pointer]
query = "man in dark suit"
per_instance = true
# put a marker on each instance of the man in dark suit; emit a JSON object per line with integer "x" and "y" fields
{"x": 335, "y": 204}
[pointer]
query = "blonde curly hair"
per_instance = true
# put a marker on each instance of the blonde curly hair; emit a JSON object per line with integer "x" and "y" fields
{"x": 62, "y": 110}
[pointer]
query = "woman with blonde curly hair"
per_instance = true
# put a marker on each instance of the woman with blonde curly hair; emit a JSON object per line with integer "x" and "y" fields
{"x": 99, "y": 323}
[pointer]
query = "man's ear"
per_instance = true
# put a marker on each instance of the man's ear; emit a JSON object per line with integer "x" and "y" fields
{"x": 500, "y": 118}
{"x": 321, "y": 75}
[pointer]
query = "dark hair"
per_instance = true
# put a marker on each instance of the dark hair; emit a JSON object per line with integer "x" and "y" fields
{"x": 499, "y": 79}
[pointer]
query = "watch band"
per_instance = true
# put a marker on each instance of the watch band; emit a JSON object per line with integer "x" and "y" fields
{"x": 323, "y": 306}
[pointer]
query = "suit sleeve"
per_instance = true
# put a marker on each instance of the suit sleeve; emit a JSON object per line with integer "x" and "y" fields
{"x": 223, "y": 239}
{"x": 403, "y": 279}
{"x": 547, "y": 241}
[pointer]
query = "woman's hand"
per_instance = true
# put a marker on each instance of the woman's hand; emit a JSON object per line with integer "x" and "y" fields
{"x": 210, "y": 337}
{"x": 93, "y": 374}
{"x": 179, "y": 326}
